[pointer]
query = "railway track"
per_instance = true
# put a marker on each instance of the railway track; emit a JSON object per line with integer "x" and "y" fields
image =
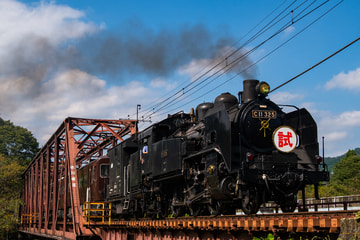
{"x": 278, "y": 222}
{"x": 300, "y": 225}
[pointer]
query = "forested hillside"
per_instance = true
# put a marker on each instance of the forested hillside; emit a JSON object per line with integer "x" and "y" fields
{"x": 330, "y": 161}
{"x": 344, "y": 177}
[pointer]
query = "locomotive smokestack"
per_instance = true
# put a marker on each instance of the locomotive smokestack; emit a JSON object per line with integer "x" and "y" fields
{"x": 249, "y": 93}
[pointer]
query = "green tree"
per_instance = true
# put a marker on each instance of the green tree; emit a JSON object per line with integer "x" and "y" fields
{"x": 10, "y": 188}
{"x": 17, "y": 143}
{"x": 346, "y": 177}
{"x": 17, "y": 148}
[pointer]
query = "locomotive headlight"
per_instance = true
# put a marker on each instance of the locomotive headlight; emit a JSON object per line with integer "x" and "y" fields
{"x": 263, "y": 88}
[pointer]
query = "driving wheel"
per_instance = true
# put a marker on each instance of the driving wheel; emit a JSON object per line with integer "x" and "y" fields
{"x": 250, "y": 200}
{"x": 289, "y": 204}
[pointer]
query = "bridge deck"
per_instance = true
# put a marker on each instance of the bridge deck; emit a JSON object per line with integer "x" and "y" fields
{"x": 303, "y": 223}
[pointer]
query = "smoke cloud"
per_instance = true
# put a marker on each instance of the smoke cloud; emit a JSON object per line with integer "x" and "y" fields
{"x": 34, "y": 59}
{"x": 55, "y": 64}
{"x": 138, "y": 50}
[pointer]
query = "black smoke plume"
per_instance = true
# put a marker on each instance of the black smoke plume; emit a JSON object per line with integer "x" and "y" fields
{"x": 138, "y": 50}
{"x": 134, "y": 50}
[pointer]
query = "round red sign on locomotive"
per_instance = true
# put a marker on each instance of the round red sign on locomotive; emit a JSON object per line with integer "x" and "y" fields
{"x": 285, "y": 139}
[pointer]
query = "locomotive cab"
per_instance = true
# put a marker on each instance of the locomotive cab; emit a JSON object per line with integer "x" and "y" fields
{"x": 93, "y": 180}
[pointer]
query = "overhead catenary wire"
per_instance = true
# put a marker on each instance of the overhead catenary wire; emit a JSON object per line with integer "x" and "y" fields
{"x": 180, "y": 94}
{"x": 221, "y": 60}
{"x": 250, "y": 51}
{"x": 300, "y": 74}
{"x": 281, "y": 45}
{"x": 317, "y": 64}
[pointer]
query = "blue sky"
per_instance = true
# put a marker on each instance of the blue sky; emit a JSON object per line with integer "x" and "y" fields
{"x": 99, "y": 59}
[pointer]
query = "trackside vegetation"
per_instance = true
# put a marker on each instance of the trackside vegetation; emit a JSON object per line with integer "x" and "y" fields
{"x": 17, "y": 148}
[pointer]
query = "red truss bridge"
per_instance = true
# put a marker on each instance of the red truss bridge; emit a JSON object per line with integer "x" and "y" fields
{"x": 51, "y": 192}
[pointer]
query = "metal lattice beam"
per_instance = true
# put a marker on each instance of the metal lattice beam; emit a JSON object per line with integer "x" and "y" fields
{"x": 51, "y": 193}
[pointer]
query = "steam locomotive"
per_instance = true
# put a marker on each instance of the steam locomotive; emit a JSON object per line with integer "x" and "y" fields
{"x": 227, "y": 155}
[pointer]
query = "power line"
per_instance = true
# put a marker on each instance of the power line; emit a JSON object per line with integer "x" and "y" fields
{"x": 317, "y": 64}
{"x": 173, "y": 99}
{"x": 220, "y": 61}
{"x": 250, "y": 51}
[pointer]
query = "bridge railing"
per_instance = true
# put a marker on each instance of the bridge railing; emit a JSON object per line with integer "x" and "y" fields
{"x": 351, "y": 202}
{"x": 96, "y": 212}
{"x": 29, "y": 218}
{"x": 338, "y": 202}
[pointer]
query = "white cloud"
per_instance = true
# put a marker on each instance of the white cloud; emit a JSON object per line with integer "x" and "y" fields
{"x": 350, "y": 80}
{"x": 348, "y": 120}
{"x": 161, "y": 82}
{"x": 40, "y": 99}
{"x": 340, "y": 131}
{"x": 36, "y": 92}
{"x": 335, "y": 136}
{"x": 75, "y": 93}
{"x": 158, "y": 82}
{"x": 289, "y": 30}
{"x": 30, "y": 38}
{"x": 310, "y": 106}
{"x": 54, "y": 22}
{"x": 31, "y": 93}
{"x": 285, "y": 97}
{"x": 197, "y": 68}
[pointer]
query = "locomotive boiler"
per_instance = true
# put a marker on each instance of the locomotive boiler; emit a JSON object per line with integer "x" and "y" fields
{"x": 233, "y": 153}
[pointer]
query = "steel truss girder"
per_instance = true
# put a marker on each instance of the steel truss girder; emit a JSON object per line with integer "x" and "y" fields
{"x": 51, "y": 184}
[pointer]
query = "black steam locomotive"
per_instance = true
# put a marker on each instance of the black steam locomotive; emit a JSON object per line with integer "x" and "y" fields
{"x": 232, "y": 154}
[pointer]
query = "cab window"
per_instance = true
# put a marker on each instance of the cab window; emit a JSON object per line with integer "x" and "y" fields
{"x": 104, "y": 170}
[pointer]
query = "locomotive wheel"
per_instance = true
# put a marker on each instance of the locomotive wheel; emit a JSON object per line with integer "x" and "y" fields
{"x": 150, "y": 212}
{"x": 250, "y": 201}
{"x": 164, "y": 208}
{"x": 176, "y": 210}
{"x": 139, "y": 213}
{"x": 215, "y": 207}
{"x": 195, "y": 210}
{"x": 289, "y": 204}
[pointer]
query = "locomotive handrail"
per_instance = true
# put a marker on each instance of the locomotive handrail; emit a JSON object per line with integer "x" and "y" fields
{"x": 96, "y": 210}
{"x": 202, "y": 152}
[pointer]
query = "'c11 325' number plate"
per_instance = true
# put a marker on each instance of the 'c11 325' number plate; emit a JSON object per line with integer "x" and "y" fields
{"x": 264, "y": 114}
